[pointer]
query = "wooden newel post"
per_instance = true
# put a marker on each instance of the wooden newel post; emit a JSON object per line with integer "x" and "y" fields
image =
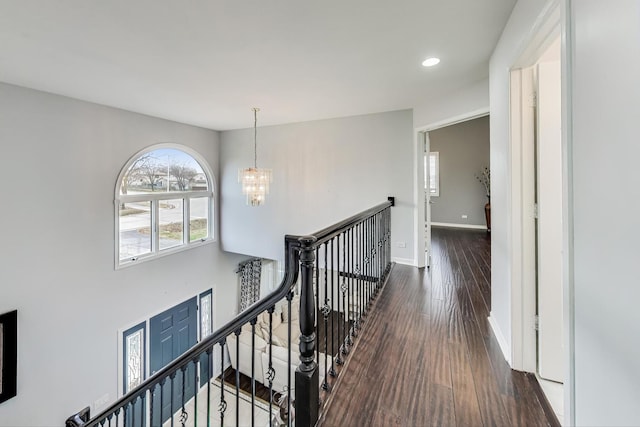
{"x": 307, "y": 383}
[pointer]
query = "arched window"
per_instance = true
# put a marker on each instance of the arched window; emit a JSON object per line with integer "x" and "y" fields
{"x": 164, "y": 203}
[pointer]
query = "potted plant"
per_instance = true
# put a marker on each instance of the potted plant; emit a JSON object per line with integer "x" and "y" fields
{"x": 484, "y": 177}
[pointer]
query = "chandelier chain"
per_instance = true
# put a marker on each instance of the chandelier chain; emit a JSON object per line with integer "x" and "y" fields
{"x": 255, "y": 137}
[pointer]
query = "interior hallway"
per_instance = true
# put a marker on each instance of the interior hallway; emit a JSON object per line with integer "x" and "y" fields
{"x": 427, "y": 355}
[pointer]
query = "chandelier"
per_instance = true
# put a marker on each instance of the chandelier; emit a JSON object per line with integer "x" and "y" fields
{"x": 255, "y": 181}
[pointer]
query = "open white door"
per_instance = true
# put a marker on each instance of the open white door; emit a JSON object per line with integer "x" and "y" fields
{"x": 427, "y": 200}
{"x": 549, "y": 222}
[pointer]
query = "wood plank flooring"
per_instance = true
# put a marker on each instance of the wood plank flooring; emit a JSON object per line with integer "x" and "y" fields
{"x": 427, "y": 356}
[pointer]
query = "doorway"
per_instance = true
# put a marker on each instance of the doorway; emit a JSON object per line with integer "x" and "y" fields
{"x": 423, "y": 164}
{"x": 536, "y": 119}
{"x": 171, "y": 333}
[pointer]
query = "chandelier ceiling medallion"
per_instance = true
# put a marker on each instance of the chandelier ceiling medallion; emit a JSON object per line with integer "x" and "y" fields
{"x": 255, "y": 181}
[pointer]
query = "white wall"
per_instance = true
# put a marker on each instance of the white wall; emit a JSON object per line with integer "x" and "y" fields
{"x": 507, "y": 51}
{"x": 60, "y": 161}
{"x": 441, "y": 108}
{"x": 323, "y": 171}
{"x": 606, "y": 206}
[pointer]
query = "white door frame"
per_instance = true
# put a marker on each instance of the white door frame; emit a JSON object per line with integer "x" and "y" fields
{"x": 552, "y": 21}
{"x": 418, "y": 175}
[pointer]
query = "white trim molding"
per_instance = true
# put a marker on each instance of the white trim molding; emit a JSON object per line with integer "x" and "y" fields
{"x": 502, "y": 342}
{"x": 404, "y": 261}
{"x": 452, "y": 225}
{"x": 481, "y": 112}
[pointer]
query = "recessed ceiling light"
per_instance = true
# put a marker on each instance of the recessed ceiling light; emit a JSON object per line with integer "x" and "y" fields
{"x": 430, "y": 62}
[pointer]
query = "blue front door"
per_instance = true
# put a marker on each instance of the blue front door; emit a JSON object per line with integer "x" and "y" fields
{"x": 171, "y": 333}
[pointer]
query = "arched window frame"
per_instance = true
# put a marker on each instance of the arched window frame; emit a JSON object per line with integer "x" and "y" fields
{"x": 154, "y": 198}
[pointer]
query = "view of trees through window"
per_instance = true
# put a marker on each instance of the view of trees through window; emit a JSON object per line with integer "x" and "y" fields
{"x": 164, "y": 202}
{"x": 166, "y": 169}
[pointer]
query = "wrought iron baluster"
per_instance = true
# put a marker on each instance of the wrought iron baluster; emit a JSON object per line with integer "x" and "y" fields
{"x": 289, "y": 362}
{"x": 318, "y": 306}
{"x": 363, "y": 284}
{"x": 332, "y": 370}
{"x": 196, "y": 385}
{"x": 372, "y": 251}
{"x": 360, "y": 268}
{"x": 374, "y": 258}
{"x": 325, "y": 313}
{"x": 172, "y": 378}
{"x": 151, "y": 405}
{"x": 363, "y": 300}
{"x": 183, "y": 414}
{"x": 381, "y": 246}
{"x": 383, "y": 230}
{"x": 222, "y": 407}
{"x": 367, "y": 260}
{"x": 253, "y": 371}
{"x": 372, "y": 264}
{"x": 362, "y": 273}
{"x": 369, "y": 255}
{"x": 361, "y": 264}
{"x": 388, "y": 239}
{"x": 162, "y": 383}
{"x": 345, "y": 293}
{"x": 339, "y": 279}
{"x": 209, "y": 367}
{"x": 271, "y": 372}
{"x": 142, "y": 406}
{"x": 356, "y": 275}
{"x": 352, "y": 302}
{"x": 379, "y": 243}
{"x": 237, "y": 333}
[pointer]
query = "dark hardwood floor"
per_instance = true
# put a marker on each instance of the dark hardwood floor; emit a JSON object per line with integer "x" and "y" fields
{"x": 427, "y": 355}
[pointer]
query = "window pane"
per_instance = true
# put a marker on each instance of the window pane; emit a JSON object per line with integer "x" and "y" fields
{"x": 166, "y": 170}
{"x": 199, "y": 218}
{"x": 205, "y": 316}
{"x": 135, "y": 359}
{"x": 432, "y": 171}
{"x": 426, "y": 178}
{"x": 135, "y": 229}
{"x": 171, "y": 223}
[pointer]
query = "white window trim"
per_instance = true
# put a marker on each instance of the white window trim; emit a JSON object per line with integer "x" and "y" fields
{"x": 154, "y": 198}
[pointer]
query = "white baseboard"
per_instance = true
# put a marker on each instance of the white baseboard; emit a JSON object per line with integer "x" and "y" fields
{"x": 502, "y": 342}
{"x": 404, "y": 261}
{"x": 452, "y": 225}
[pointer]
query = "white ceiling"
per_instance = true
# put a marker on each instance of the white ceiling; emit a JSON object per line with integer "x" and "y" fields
{"x": 207, "y": 62}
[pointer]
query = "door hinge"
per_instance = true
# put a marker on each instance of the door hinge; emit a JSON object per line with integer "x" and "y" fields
{"x": 536, "y": 322}
{"x": 535, "y": 210}
{"x": 533, "y": 100}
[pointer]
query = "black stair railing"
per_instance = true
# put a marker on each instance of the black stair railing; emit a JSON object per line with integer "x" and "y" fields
{"x": 334, "y": 274}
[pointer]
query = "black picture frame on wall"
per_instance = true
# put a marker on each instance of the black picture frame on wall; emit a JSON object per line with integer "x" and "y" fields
{"x": 8, "y": 355}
